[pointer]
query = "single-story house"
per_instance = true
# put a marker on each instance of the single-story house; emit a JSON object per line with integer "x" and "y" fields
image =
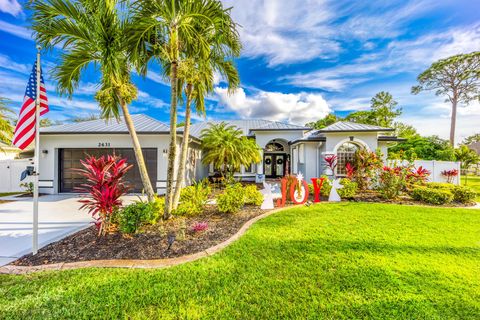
{"x": 285, "y": 148}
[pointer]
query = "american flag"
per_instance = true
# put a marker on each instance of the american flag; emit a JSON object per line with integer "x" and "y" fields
{"x": 25, "y": 129}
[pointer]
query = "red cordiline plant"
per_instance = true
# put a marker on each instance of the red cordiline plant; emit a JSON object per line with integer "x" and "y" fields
{"x": 350, "y": 170}
{"x": 200, "y": 226}
{"x": 417, "y": 175}
{"x": 450, "y": 174}
{"x": 331, "y": 161}
{"x": 105, "y": 186}
{"x": 392, "y": 181}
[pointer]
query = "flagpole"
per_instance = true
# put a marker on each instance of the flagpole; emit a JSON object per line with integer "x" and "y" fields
{"x": 36, "y": 159}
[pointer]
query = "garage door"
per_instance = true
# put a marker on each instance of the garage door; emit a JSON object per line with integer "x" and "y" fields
{"x": 70, "y": 158}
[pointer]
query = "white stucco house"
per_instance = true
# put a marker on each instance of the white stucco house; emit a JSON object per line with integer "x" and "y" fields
{"x": 286, "y": 148}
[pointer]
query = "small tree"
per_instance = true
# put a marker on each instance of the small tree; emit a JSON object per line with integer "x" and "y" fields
{"x": 329, "y": 119}
{"x": 457, "y": 78}
{"x": 467, "y": 157}
{"x": 227, "y": 149}
{"x": 384, "y": 109}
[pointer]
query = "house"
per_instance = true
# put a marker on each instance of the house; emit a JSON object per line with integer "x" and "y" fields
{"x": 288, "y": 148}
{"x": 63, "y": 146}
{"x": 285, "y": 148}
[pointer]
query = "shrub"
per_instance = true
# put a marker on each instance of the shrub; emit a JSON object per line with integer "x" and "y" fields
{"x": 450, "y": 174}
{"x": 139, "y": 213}
{"x": 253, "y": 196}
{"x": 432, "y": 195}
{"x": 349, "y": 189}
{"x": 232, "y": 199}
{"x": 200, "y": 226}
{"x": 193, "y": 198}
{"x": 463, "y": 194}
{"x": 391, "y": 182}
{"x": 440, "y": 185}
{"x": 104, "y": 187}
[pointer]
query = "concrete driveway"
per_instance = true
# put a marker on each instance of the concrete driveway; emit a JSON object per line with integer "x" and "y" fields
{"x": 59, "y": 216}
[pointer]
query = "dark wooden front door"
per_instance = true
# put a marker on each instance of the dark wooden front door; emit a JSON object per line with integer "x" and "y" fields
{"x": 70, "y": 158}
{"x": 274, "y": 165}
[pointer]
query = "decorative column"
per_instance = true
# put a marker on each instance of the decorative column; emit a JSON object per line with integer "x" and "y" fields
{"x": 260, "y": 164}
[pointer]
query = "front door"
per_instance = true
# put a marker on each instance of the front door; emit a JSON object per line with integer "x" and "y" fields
{"x": 274, "y": 165}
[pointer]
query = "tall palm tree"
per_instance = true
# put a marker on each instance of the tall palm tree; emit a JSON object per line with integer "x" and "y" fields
{"x": 227, "y": 149}
{"x": 92, "y": 32}
{"x": 6, "y": 129}
{"x": 198, "y": 79}
{"x": 163, "y": 30}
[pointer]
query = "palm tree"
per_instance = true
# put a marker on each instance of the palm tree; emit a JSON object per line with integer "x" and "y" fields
{"x": 198, "y": 79}
{"x": 92, "y": 32}
{"x": 6, "y": 129}
{"x": 164, "y": 30}
{"x": 227, "y": 149}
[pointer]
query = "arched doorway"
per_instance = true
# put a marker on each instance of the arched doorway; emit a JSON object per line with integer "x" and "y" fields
{"x": 275, "y": 159}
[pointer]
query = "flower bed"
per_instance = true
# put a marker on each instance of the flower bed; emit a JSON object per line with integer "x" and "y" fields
{"x": 150, "y": 243}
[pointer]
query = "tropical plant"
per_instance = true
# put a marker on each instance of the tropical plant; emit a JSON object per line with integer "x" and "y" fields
{"x": 467, "y": 157}
{"x": 331, "y": 162}
{"x": 139, "y": 213}
{"x": 92, "y": 32}
{"x": 6, "y": 129}
{"x": 232, "y": 199}
{"x": 417, "y": 176}
{"x": 163, "y": 30}
{"x": 252, "y": 195}
{"x": 392, "y": 181}
{"x": 471, "y": 139}
{"x": 457, "y": 78}
{"x": 450, "y": 174}
{"x": 197, "y": 76}
{"x": 193, "y": 199}
{"x": 366, "y": 164}
{"x": 200, "y": 226}
{"x": 104, "y": 186}
{"x": 227, "y": 149}
{"x": 349, "y": 188}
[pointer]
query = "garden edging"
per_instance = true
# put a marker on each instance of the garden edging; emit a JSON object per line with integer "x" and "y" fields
{"x": 138, "y": 263}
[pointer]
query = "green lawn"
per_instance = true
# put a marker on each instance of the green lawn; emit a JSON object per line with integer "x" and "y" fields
{"x": 5, "y": 194}
{"x": 328, "y": 261}
{"x": 473, "y": 182}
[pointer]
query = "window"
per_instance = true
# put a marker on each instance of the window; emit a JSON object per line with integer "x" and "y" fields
{"x": 250, "y": 168}
{"x": 301, "y": 154}
{"x": 345, "y": 154}
{"x": 274, "y": 146}
{"x": 294, "y": 160}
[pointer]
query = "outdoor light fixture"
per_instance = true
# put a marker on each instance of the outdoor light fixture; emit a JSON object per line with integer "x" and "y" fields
{"x": 165, "y": 152}
{"x": 351, "y": 138}
{"x": 44, "y": 153}
{"x": 170, "y": 239}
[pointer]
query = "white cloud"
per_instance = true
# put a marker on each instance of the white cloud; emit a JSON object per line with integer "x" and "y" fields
{"x": 149, "y": 100}
{"x": 400, "y": 56}
{"x": 18, "y": 31}
{"x": 296, "y": 108}
{"x": 11, "y": 7}
{"x": 7, "y": 63}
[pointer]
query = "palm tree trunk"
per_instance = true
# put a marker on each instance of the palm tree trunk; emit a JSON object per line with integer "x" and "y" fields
{"x": 173, "y": 142}
{"x": 184, "y": 148}
{"x": 453, "y": 121}
{"x": 137, "y": 149}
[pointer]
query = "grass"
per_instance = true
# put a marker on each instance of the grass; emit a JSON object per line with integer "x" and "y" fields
{"x": 473, "y": 182}
{"x": 5, "y": 194}
{"x": 328, "y": 261}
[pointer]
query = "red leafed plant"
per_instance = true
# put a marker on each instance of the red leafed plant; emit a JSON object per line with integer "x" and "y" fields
{"x": 105, "y": 186}
{"x": 418, "y": 175}
{"x": 200, "y": 226}
{"x": 450, "y": 174}
{"x": 331, "y": 161}
{"x": 350, "y": 170}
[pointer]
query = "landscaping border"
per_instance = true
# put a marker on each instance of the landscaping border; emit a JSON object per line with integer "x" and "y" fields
{"x": 138, "y": 263}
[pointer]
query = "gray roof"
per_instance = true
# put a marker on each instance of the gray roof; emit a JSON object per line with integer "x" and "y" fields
{"x": 345, "y": 126}
{"x": 143, "y": 124}
{"x": 247, "y": 126}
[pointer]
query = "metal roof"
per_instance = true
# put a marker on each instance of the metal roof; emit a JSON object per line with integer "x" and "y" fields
{"x": 345, "y": 126}
{"x": 142, "y": 122}
{"x": 247, "y": 126}
{"x": 391, "y": 138}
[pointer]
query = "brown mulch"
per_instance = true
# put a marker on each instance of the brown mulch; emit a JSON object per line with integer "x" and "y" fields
{"x": 150, "y": 243}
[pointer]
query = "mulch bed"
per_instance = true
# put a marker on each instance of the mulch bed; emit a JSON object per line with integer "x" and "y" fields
{"x": 151, "y": 243}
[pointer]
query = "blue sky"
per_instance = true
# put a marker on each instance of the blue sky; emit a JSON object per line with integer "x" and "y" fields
{"x": 301, "y": 59}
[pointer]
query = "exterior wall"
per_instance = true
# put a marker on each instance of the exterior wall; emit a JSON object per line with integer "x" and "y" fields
{"x": 264, "y": 137}
{"x": 51, "y": 143}
{"x": 383, "y": 146}
{"x": 435, "y": 167}
{"x": 334, "y": 140}
{"x": 307, "y": 158}
{"x": 10, "y": 172}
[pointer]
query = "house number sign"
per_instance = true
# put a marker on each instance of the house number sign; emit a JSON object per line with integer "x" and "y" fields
{"x": 104, "y": 144}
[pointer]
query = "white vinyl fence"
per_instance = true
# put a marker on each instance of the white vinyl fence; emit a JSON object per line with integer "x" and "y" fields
{"x": 10, "y": 171}
{"x": 435, "y": 167}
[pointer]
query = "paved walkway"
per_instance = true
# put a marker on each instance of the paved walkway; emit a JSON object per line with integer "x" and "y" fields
{"x": 58, "y": 217}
